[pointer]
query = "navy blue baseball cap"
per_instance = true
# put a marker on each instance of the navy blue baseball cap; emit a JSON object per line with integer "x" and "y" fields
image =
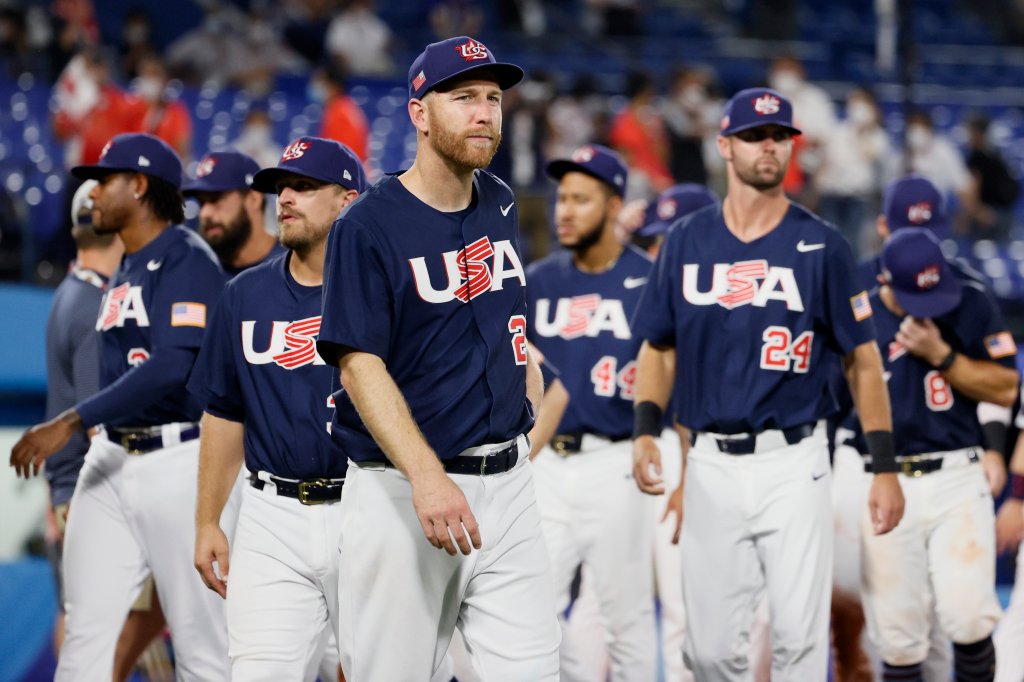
{"x": 756, "y": 107}
{"x": 672, "y": 204}
{"x": 594, "y": 160}
{"x": 915, "y": 202}
{"x": 443, "y": 61}
{"x": 915, "y": 268}
{"x": 318, "y": 158}
{"x": 134, "y": 153}
{"x": 222, "y": 172}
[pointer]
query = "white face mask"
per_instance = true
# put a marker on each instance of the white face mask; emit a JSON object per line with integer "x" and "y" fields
{"x": 692, "y": 96}
{"x": 918, "y": 137}
{"x": 785, "y": 81}
{"x": 860, "y": 113}
{"x": 148, "y": 88}
{"x": 256, "y": 134}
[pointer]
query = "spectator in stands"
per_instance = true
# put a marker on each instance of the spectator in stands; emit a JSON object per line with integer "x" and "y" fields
{"x": 932, "y": 155}
{"x": 571, "y": 118}
{"x": 848, "y": 180}
{"x": 343, "y": 119}
{"x": 520, "y": 159}
{"x": 691, "y": 117}
{"x": 305, "y": 27}
{"x": 638, "y": 133}
{"x": 360, "y": 41}
{"x": 75, "y": 27}
{"x": 256, "y": 139}
{"x": 813, "y": 113}
{"x": 992, "y": 190}
{"x": 136, "y": 41}
{"x": 166, "y": 116}
{"x": 616, "y": 17}
{"x": 455, "y": 18}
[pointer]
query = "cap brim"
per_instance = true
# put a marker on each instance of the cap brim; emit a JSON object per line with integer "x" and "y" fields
{"x": 940, "y": 229}
{"x": 507, "y": 75}
{"x": 728, "y": 132}
{"x": 559, "y": 167}
{"x": 193, "y": 188}
{"x": 935, "y": 302}
{"x": 266, "y": 180}
{"x": 655, "y": 229}
{"x": 97, "y": 172}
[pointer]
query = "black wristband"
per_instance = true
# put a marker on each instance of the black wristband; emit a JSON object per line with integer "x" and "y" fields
{"x": 882, "y": 451}
{"x": 947, "y": 361}
{"x": 1016, "y": 486}
{"x": 994, "y": 433}
{"x": 646, "y": 419}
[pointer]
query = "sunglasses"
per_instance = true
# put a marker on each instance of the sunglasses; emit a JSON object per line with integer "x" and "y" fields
{"x": 763, "y": 133}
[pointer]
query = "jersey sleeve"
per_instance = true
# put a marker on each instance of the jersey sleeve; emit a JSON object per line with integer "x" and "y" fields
{"x": 984, "y": 330}
{"x": 847, "y": 311}
{"x": 214, "y": 379}
{"x": 654, "y": 317}
{"x": 189, "y": 288}
{"x": 357, "y": 294}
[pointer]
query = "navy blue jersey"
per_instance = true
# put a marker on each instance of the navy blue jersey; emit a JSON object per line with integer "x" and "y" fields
{"x": 440, "y": 297}
{"x": 158, "y": 299}
{"x": 755, "y": 325}
{"x": 276, "y": 251}
{"x": 928, "y": 414}
{"x": 580, "y": 322}
{"x": 72, "y": 369}
{"x": 259, "y": 366}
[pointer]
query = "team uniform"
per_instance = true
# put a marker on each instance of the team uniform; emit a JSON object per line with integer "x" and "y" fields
{"x": 754, "y": 326}
{"x": 945, "y": 544}
{"x": 591, "y": 510}
{"x": 440, "y": 298}
{"x": 259, "y": 367}
{"x": 135, "y": 493}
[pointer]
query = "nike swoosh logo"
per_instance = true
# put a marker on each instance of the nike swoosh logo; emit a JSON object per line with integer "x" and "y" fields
{"x": 804, "y": 248}
{"x": 154, "y": 265}
{"x": 506, "y": 209}
{"x": 634, "y": 282}
{"x": 817, "y": 477}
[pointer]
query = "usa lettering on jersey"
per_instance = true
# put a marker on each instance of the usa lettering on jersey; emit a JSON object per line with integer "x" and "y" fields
{"x": 587, "y": 315}
{"x": 120, "y": 304}
{"x": 291, "y": 345}
{"x": 468, "y": 273}
{"x": 752, "y": 282}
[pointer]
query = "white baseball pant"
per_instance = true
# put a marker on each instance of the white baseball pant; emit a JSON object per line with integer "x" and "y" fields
{"x": 283, "y": 587}
{"x": 1009, "y": 636}
{"x": 400, "y": 599}
{"x": 753, "y": 523}
{"x": 132, "y": 515}
{"x": 593, "y": 514}
{"x": 941, "y": 555}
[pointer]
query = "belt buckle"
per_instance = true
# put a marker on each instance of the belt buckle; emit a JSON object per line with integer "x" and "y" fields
{"x": 908, "y": 470}
{"x": 306, "y": 486}
{"x": 483, "y": 465}
{"x": 127, "y": 442}
{"x": 560, "y": 444}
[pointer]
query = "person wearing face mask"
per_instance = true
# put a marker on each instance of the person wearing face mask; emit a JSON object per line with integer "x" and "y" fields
{"x": 166, "y": 118}
{"x": 256, "y": 139}
{"x": 848, "y": 179}
{"x": 638, "y": 134}
{"x": 932, "y": 155}
{"x": 691, "y": 116}
{"x": 343, "y": 119}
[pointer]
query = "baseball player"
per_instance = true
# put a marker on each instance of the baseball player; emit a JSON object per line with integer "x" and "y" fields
{"x": 945, "y": 347}
{"x": 139, "y": 473}
{"x": 1009, "y": 533}
{"x": 425, "y": 313}
{"x": 267, "y": 397}
{"x": 231, "y": 213}
{"x": 580, "y": 299}
{"x": 745, "y": 305}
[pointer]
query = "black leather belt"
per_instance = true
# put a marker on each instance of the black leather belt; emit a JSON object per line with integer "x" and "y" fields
{"x": 143, "y": 439}
{"x": 917, "y": 465}
{"x": 571, "y": 443}
{"x": 308, "y": 492}
{"x": 473, "y": 465}
{"x": 748, "y": 445}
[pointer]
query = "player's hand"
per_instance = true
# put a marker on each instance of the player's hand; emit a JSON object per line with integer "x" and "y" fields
{"x": 212, "y": 546}
{"x": 674, "y": 505}
{"x": 444, "y": 512}
{"x": 1009, "y": 526}
{"x": 38, "y": 443}
{"x": 922, "y": 339}
{"x": 647, "y": 466}
{"x": 995, "y": 471}
{"x": 885, "y": 502}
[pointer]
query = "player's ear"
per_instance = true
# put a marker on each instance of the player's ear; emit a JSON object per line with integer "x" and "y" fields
{"x": 139, "y": 183}
{"x": 253, "y": 201}
{"x": 418, "y": 113}
{"x": 724, "y": 147}
{"x": 882, "y": 226}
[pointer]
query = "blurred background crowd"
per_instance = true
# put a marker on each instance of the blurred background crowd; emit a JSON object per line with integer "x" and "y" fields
{"x": 880, "y": 89}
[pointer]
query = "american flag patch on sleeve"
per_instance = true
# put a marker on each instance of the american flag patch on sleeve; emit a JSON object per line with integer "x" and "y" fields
{"x": 188, "y": 315}
{"x": 861, "y": 306}
{"x": 1000, "y": 345}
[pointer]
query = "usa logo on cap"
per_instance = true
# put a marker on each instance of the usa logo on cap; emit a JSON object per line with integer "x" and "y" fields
{"x": 928, "y": 277}
{"x": 583, "y": 154}
{"x": 472, "y": 50}
{"x": 919, "y": 213}
{"x": 294, "y": 151}
{"x": 667, "y": 209}
{"x": 766, "y": 105}
{"x": 205, "y": 167}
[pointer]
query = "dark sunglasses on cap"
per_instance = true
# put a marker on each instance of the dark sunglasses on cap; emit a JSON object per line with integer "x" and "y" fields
{"x": 763, "y": 133}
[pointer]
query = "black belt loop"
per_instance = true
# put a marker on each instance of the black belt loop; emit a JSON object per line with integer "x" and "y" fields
{"x": 570, "y": 443}
{"x": 915, "y": 468}
{"x": 140, "y": 440}
{"x": 472, "y": 465}
{"x": 308, "y": 492}
{"x": 748, "y": 445}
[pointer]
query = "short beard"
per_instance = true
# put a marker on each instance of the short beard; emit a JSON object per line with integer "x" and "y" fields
{"x": 233, "y": 238}
{"x": 452, "y": 146}
{"x": 303, "y": 241}
{"x": 758, "y": 181}
{"x": 590, "y": 239}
